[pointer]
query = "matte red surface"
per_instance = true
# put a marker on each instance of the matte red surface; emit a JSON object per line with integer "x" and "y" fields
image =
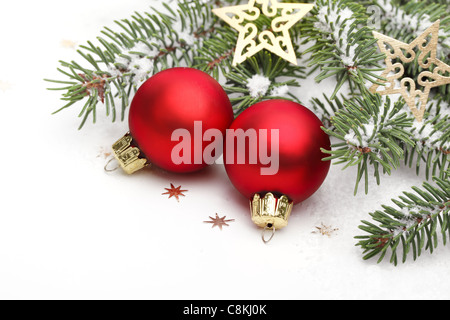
{"x": 301, "y": 171}
{"x": 173, "y": 99}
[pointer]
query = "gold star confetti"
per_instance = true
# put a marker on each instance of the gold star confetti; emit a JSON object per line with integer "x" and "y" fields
{"x": 275, "y": 38}
{"x": 4, "y": 86}
{"x": 175, "y": 192}
{"x": 104, "y": 153}
{"x": 435, "y": 72}
{"x": 68, "y": 44}
{"x": 220, "y": 222}
{"x": 325, "y": 230}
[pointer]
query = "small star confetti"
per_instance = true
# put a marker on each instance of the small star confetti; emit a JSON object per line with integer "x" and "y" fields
{"x": 220, "y": 222}
{"x": 68, "y": 44}
{"x": 325, "y": 230}
{"x": 5, "y": 86}
{"x": 104, "y": 153}
{"x": 175, "y": 192}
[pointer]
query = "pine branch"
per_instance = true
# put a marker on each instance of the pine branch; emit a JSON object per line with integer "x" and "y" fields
{"x": 408, "y": 21}
{"x": 260, "y": 78}
{"x": 413, "y": 226}
{"x": 370, "y": 131}
{"x": 148, "y": 42}
{"x": 432, "y": 141}
{"x": 189, "y": 35}
{"x": 411, "y": 19}
{"x": 241, "y": 82}
{"x": 216, "y": 55}
{"x": 373, "y": 132}
{"x": 343, "y": 44}
{"x": 403, "y": 23}
{"x": 153, "y": 41}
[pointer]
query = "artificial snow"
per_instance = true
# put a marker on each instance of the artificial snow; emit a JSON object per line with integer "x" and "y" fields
{"x": 184, "y": 34}
{"x": 258, "y": 85}
{"x": 342, "y": 21}
{"x": 281, "y": 91}
{"x": 427, "y": 134}
{"x": 367, "y": 134}
{"x": 413, "y": 24}
{"x": 137, "y": 61}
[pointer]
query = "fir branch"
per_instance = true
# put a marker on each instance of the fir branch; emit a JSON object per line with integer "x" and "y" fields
{"x": 153, "y": 41}
{"x": 260, "y": 78}
{"x": 325, "y": 108}
{"x": 431, "y": 141}
{"x": 370, "y": 131}
{"x": 413, "y": 225}
{"x": 146, "y": 43}
{"x": 216, "y": 55}
{"x": 343, "y": 45}
{"x": 408, "y": 21}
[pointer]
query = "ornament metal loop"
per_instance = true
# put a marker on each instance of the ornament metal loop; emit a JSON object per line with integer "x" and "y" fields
{"x": 263, "y": 234}
{"x": 113, "y": 169}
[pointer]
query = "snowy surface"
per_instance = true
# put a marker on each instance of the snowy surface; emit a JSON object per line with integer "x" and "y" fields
{"x": 68, "y": 230}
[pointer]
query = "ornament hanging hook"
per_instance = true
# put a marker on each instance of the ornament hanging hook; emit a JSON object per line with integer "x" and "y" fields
{"x": 263, "y": 234}
{"x": 108, "y": 163}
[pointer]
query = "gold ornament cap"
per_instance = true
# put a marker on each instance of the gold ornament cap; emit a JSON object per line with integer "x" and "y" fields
{"x": 128, "y": 155}
{"x": 271, "y": 211}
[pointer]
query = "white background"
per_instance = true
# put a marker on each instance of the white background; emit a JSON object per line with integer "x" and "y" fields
{"x": 68, "y": 230}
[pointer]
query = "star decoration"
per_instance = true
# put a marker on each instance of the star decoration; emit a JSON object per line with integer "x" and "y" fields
{"x": 275, "y": 39}
{"x": 220, "y": 222}
{"x": 434, "y": 74}
{"x": 325, "y": 230}
{"x": 175, "y": 192}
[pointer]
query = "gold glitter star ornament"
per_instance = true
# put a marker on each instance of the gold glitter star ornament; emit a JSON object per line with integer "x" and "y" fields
{"x": 434, "y": 73}
{"x": 275, "y": 39}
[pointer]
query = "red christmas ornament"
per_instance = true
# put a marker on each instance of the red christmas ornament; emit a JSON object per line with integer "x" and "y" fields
{"x": 183, "y": 99}
{"x": 291, "y": 134}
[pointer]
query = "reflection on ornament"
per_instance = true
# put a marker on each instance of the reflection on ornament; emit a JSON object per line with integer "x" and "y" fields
{"x": 435, "y": 72}
{"x": 276, "y": 39}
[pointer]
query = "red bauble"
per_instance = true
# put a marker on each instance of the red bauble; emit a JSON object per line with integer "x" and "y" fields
{"x": 301, "y": 170}
{"x": 175, "y": 99}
